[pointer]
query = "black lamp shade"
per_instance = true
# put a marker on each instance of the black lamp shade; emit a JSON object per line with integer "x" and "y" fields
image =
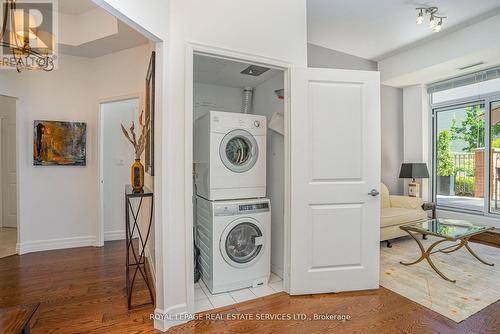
{"x": 414, "y": 171}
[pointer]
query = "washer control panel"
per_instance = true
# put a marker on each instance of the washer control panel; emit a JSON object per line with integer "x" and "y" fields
{"x": 239, "y": 209}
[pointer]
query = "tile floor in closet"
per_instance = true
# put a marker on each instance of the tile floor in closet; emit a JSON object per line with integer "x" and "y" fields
{"x": 204, "y": 300}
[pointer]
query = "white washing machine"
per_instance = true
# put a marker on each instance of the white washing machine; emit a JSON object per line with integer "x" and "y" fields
{"x": 234, "y": 238}
{"x": 230, "y": 155}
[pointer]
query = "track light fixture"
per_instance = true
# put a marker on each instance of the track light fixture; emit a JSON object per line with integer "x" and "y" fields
{"x": 435, "y": 21}
{"x": 420, "y": 17}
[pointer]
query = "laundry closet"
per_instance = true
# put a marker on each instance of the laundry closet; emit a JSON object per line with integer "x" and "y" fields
{"x": 238, "y": 179}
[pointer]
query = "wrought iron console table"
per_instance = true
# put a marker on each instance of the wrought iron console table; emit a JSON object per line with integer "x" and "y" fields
{"x": 138, "y": 262}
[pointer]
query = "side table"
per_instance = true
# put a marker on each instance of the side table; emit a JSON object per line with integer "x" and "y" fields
{"x": 429, "y": 206}
{"x": 138, "y": 262}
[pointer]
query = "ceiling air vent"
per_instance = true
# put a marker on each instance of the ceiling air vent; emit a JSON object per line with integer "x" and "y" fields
{"x": 470, "y": 66}
{"x": 254, "y": 70}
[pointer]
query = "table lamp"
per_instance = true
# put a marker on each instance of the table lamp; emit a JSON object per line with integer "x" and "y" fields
{"x": 414, "y": 170}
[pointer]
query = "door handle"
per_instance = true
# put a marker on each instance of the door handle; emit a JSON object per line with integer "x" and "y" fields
{"x": 373, "y": 192}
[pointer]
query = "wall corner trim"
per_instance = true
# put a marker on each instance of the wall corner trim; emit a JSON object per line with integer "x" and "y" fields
{"x": 51, "y": 244}
{"x": 173, "y": 316}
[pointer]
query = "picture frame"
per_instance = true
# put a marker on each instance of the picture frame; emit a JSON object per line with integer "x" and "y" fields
{"x": 59, "y": 143}
{"x": 150, "y": 115}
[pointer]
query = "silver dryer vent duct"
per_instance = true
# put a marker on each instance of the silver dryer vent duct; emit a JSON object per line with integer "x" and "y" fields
{"x": 246, "y": 106}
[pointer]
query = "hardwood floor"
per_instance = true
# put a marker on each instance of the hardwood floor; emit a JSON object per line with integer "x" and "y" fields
{"x": 82, "y": 290}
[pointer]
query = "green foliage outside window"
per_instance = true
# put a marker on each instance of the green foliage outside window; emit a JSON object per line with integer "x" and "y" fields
{"x": 464, "y": 186}
{"x": 445, "y": 159}
{"x": 496, "y": 143}
{"x": 471, "y": 129}
{"x": 468, "y": 168}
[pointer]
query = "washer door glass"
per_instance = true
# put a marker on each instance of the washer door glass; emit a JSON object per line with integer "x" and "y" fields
{"x": 239, "y": 151}
{"x": 240, "y": 242}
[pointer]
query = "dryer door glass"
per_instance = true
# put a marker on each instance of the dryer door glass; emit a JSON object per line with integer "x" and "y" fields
{"x": 239, "y": 151}
{"x": 240, "y": 242}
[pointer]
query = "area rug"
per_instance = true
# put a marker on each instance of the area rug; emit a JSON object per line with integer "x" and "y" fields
{"x": 477, "y": 285}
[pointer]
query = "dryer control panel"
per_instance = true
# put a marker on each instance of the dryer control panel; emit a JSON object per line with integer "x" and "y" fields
{"x": 224, "y": 122}
{"x": 239, "y": 209}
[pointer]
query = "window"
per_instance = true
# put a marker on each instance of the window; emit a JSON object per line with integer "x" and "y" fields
{"x": 466, "y": 142}
{"x": 459, "y": 151}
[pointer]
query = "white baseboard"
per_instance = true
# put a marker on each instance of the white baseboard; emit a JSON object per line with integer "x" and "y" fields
{"x": 173, "y": 316}
{"x": 114, "y": 235}
{"x": 51, "y": 244}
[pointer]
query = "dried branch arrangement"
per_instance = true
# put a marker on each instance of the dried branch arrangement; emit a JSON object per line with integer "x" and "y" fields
{"x": 140, "y": 144}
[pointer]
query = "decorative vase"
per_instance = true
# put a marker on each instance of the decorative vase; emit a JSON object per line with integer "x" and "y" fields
{"x": 137, "y": 176}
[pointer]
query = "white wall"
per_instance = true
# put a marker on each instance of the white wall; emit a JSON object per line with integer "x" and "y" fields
{"x": 118, "y": 155}
{"x": 213, "y": 97}
{"x": 58, "y": 206}
{"x": 265, "y": 102}
{"x": 56, "y": 203}
{"x": 280, "y": 34}
{"x": 318, "y": 56}
{"x": 416, "y": 132}
{"x": 392, "y": 137}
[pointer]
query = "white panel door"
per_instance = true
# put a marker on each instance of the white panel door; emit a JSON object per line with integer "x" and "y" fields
{"x": 335, "y": 164}
{"x": 8, "y": 162}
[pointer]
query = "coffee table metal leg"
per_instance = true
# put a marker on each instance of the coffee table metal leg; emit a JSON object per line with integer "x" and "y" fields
{"x": 426, "y": 255}
{"x": 428, "y": 258}
{"x": 422, "y": 250}
{"x": 452, "y": 248}
{"x": 466, "y": 244}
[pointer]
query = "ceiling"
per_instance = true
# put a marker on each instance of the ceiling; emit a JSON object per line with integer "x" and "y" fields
{"x": 75, "y": 7}
{"x": 375, "y": 29}
{"x": 126, "y": 38}
{"x": 122, "y": 38}
{"x": 223, "y": 72}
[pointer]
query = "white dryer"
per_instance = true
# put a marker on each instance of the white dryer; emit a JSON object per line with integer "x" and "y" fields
{"x": 234, "y": 238}
{"x": 230, "y": 155}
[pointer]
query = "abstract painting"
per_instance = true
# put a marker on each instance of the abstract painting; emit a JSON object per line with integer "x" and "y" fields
{"x": 59, "y": 143}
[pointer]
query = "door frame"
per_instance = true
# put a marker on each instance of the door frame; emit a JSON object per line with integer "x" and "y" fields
{"x": 200, "y": 49}
{"x": 100, "y": 157}
{"x": 18, "y": 163}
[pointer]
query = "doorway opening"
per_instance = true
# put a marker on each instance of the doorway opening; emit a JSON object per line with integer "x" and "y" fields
{"x": 8, "y": 177}
{"x": 115, "y": 157}
{"x": 239, "y": 153}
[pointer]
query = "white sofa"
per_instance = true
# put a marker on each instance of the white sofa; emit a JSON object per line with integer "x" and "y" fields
{"x": 398, "y": 210}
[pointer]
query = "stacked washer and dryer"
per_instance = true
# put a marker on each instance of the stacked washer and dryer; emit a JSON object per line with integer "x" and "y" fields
{"x": 233, "y": 217}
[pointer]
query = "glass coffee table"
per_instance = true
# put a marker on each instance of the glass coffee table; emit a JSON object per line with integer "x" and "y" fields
{"x": 458, "y": 231}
